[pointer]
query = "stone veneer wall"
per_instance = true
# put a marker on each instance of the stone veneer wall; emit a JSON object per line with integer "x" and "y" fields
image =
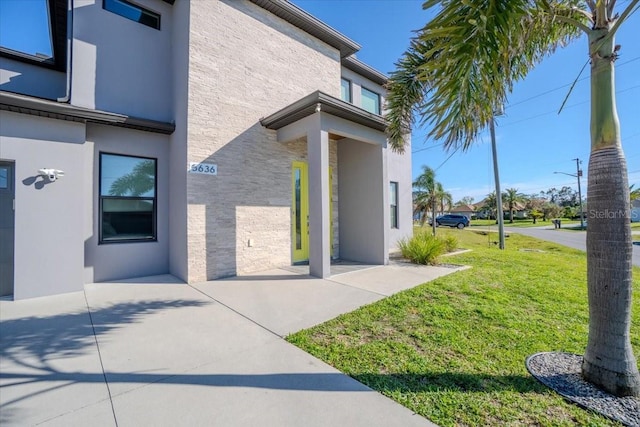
{"x": 246, "y": 64}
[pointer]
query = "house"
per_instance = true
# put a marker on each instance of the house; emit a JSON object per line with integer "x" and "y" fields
{"x": 635, "y": 210}
{"x": 466, "y": 210}
{"x": 201, "y": 139}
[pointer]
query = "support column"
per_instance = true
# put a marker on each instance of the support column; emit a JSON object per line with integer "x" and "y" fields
{"x": 319, "y": 221}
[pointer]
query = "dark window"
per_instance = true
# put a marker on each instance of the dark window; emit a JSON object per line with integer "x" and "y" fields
{"x": 393, "y": 200}
{"x": 370, "y": 101}
{"x": 345, "y": 90}
{"x": 127, "y": 198}
{"x": 134, "y": 12}
{"x": 34, "y": 31}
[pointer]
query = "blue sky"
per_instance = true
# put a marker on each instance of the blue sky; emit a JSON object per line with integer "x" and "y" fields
{"x": 533, "y": 140}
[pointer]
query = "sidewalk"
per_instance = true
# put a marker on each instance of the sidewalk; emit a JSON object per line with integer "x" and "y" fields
{"x": 161, "y": 353}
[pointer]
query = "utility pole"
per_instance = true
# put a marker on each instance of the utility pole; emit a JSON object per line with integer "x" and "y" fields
{"x": 500, "y": 215}
{"x": 578, "y": 175}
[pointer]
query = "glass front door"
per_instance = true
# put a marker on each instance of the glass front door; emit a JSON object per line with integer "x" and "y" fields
{"x": 300, "y": 211}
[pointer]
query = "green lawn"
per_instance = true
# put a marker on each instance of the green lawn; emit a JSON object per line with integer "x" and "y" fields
{"x": 453, "y": 350}
{"x": 520, "y": 223}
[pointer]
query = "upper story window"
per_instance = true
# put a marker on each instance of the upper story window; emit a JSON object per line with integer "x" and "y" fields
{"x": 370, "y": 101}
{"x": 133, "y": 12}
{"x": 345, "y": 90}
{"x": 34, "y": 31}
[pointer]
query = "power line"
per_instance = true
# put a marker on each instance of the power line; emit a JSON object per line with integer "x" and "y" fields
{"x": 570, "y": 106}
{"x": 567, "y": 85}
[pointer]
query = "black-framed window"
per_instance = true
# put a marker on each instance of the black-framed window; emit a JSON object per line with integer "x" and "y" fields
{"x": 133, "y": 12}
{"x": 370, "y": 101}
{"x": 127, "y": 198}
{"x": 393, "y": 201}
{"x": 345, "y": 90}
{"x": 34, "y": 31}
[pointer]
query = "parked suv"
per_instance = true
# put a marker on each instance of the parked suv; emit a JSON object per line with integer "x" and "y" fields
{"x": 452, "y": 220}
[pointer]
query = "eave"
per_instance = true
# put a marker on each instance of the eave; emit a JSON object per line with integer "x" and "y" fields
{"x": 320, "y": 101}
{"x": 365, "y": 70}
{"x": 310, "y": 24}
{"x": 55, "y": 110}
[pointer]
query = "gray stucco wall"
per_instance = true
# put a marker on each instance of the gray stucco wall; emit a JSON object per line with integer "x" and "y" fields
{"x": 27, "y": 79}
{"x": 120, "y": 65}
{"x": 125, "y": 260}
{"x": 49, "y": 241}
{"x": 257, "y": 65}
{"x": 363, "y": 211}
{"x": 178, "y": 265}
{"x": 358, "y": 82}
{"x": 399, "y": 170}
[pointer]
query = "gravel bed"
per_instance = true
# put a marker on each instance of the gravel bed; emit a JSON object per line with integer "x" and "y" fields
{"x": 562, "y": 373}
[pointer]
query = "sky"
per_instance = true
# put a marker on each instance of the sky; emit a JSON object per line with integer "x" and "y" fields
{"x": 533, "y": 141}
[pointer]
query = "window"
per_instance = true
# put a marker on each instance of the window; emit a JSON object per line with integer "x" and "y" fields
{"x": 127, "y": 198}
{"x": 34, "y": 31}
{"x": 393, "y": 200}
{"x": 133, "y": 12}
{"x": 370, "y": 101}
{"x": 4, "y": 177}
{"x": 345, "y": 90}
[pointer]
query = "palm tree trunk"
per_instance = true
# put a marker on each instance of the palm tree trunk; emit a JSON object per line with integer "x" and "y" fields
{"x": 608, "y": 361}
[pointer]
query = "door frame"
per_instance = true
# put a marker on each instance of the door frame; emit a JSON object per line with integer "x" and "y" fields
{"x": 302, "y": 254}
{"x": 10, "y": 194}
{"x": 300, "y": 212}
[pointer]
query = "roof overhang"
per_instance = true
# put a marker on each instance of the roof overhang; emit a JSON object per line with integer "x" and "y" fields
{"x": 320, "y": 101}
{"x": 61, "y": 111}
{"x": 357, "y": 66}
{"x": 310, "y": 24}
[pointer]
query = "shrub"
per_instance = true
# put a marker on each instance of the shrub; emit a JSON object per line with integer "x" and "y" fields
{"x": 422, "y": 248}
{"x": 450, "y": 243}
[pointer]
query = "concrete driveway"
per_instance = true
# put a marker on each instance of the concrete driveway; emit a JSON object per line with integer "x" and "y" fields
{"x": 156, "y": 352}
{"x": 572, "y": 239}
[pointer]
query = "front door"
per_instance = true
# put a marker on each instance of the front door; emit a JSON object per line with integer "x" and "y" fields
{"x": 300, "y": 211}
{"x": 7, "y": 196}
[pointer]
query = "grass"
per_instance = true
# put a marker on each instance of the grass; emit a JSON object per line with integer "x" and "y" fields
{"x": 453, "y": 349}
{"x": 424, "y": 248}
{"x": 520, "y": 223}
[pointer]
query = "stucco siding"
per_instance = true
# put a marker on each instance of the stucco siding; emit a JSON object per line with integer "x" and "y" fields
{"x": 28, "y": 79}
{"x": 49, "y": 240}
{"x": 399, "y": 170}
{"x": 124, "y": 260}
{"x": 237, "y": 76}
{"x": 119, "y": 65}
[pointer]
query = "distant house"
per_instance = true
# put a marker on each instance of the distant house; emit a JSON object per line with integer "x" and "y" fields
{"x": 466, "y": 210}
{"x": 635, "y": 210}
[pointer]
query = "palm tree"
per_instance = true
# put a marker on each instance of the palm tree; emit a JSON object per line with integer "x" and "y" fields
{"x": 512, "y": 197}
{"x": 491, "y": 203}
{"x": 458, "y": 71}
{"x": 428, "y": 192}
{"x": 444, "y": 198}
{"x": 634, "y": 194}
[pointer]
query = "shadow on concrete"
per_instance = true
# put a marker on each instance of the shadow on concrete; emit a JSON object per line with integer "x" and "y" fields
{"x": 449, "y": 381}
{"x": 29, "y": 345}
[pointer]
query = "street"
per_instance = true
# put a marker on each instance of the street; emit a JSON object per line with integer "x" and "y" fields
{"x": 573, "y": 239}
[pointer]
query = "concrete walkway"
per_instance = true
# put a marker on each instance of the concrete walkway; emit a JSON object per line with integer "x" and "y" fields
{"x": 156, "y": 352}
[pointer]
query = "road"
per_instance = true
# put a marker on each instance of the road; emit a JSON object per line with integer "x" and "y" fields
{"x": 573, "y": 239}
